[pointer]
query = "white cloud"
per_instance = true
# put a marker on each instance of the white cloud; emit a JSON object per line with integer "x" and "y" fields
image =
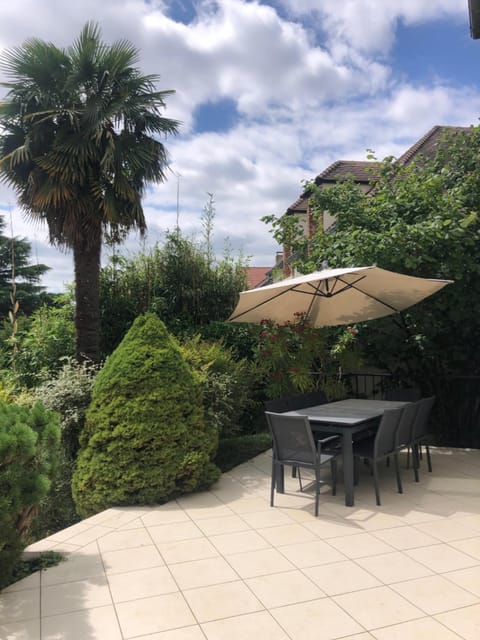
{"x": 306, "y": 97}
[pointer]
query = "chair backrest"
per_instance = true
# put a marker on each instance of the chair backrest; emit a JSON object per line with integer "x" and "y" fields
{"x": 421, "y": 424}
{"x": 280, "y": 405}
{"x": 309, "y": 399}
{"x": 385, "y": 437}
{"x": 412, "y": 394}
{"x": 292, "y": 439}
{"x": 404, "y": 433}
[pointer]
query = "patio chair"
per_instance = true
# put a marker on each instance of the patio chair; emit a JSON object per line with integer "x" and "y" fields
{"x": 380, "y": 447}
{"x": 408, "y": 394}
{"x": 420, "y": 434}
{"x": 309, "y": 399}
{"x": 279, "y": 405}
{"x": 293, "y": 445}
{"x": 404, "y": 433}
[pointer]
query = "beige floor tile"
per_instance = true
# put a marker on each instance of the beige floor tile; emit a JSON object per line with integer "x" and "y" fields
{"x": 405, "y": 537}
{"x": 185, "y": 633}
{"x": 186, "y": 550}
{"x": 447, "y": 530}
{"x": 360, "y": 545}
{"x": 221, "y": 601}
{"x": 164, "y": 514}
{"x": 89, "y": 535}
{"x": 259, "y": 563}
{"x": 19, "y": 605}
{"x": 287, "y": 534}
{"x": 468, "y": 579}
{"x": 30, "y": 582}
{"x": 202, "y": 573}
{"x": 270, "y": 518}
{"x": 88, "y": 624}
{"x": 213, "y": 511}
{"x": 441, "y": 558}
{"x": 25, "y": 630}
{"x": 151, "y": 615}
{"x": 85, "y": 563}
{"x": 315, "y": 619}
{"x": 238, "y": 542}
{"x": 72, "y": 596}
{"x": 248, "y": 504}
{"x": 125, "y": 540}
{"x": 393, "y": 567}
{"x": 341, "y": 577}
{"x": 252, "y": 625}
{"x": 69, "y": 532}
{"x": 309, "y": 554}
{"x": 175, "y": 531}
{"x": 325, "y": 528}
{"x": 435, "y": 594}
{"x": 224, "y": 524}
{"x": 131, "y": 559}
{"x": 471, "y": 546}
{"x": 117, "y": 517}
{"x": 422, "y": 629}
{"x": 465, "y": 622}
{"x": 145, "y": 583}
{"x": 472, "y": 521}
{"x": 378, "y": 607}
{"x": 280, "y": 589}
{"x": 370, "y": 520}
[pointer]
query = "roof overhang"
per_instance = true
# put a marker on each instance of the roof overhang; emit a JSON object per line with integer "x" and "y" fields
{"x": 474, "y": 13}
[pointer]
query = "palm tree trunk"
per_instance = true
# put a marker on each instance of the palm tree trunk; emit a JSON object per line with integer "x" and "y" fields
{"x": 86, "y": 256}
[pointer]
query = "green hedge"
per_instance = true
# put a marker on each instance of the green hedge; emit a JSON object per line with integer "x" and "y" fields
{"x": 234, "y": 451}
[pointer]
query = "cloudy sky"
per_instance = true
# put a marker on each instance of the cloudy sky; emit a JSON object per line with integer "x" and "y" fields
{"x": 269, "y": 94}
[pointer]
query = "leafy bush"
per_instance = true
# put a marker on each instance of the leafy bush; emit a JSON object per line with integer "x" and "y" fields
{"x": 48, "y": 338}
{"x": 287, "y": 355}
{"x": 29, "y": 439}
{"x": 234, "y": 451}
{"x": 225, "y": 381}
{"x": 145, "y": 438}
{"x": 69, "y": 393}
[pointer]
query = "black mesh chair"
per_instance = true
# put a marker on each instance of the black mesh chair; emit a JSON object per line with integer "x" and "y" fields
{"x": 407, "y": 394}
{"x": 421, "y": 432}
{"x": 293, "y": 445}
{"x": 381, "y": 446}
{"x": 309, "y": 399}
{"x": 280, "y": 405}
{"x": 404, "y": 433}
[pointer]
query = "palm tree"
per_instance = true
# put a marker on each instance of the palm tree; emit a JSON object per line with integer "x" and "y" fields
{"x": 80, "y": 142}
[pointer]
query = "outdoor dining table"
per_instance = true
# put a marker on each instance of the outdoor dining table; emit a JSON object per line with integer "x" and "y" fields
{"x": 344, "y": 418}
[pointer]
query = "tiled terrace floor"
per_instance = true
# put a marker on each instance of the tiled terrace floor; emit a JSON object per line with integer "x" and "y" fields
{"x": 223, "y": 565}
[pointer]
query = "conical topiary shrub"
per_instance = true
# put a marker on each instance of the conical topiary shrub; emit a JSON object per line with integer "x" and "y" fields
{"x": 145, "y": 438}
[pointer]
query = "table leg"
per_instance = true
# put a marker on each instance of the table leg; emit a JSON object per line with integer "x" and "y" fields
{"x": 347, "y": 451}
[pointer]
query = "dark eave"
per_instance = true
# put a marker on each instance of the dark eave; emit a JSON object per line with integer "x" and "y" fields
{"x": 474, "y": 13}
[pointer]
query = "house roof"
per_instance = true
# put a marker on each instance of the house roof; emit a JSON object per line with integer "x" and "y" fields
{"x": 256, "y": 275}
{"x": 474, "y": 13}
{"x": 428, "y": 145}
{"x": 364, "y": 171}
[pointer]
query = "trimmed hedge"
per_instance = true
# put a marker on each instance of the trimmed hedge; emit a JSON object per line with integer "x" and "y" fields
{"x": 29, "y": 439}
{"x": 145, "y": 438}
{"x": 234, "y": 451}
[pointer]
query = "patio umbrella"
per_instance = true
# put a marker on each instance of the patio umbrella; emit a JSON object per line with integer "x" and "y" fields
{"x": 335, "y": 296}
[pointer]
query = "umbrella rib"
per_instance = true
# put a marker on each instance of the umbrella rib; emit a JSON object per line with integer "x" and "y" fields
{"x": 353, "y": 286}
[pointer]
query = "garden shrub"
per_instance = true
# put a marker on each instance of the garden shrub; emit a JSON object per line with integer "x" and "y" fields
{"x": 145, "y": 438}
{"x": 69, "y": 394}
{"x": 29, "y": 438}
{"x": 234, "y": 451}
{"x": 226, "y": 383}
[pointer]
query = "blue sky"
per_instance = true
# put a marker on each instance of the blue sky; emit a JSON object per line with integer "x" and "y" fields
{"x": 269, "y": 94}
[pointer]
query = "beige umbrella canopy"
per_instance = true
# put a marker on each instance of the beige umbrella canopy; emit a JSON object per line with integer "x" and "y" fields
{"x": 335, "y": 296}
